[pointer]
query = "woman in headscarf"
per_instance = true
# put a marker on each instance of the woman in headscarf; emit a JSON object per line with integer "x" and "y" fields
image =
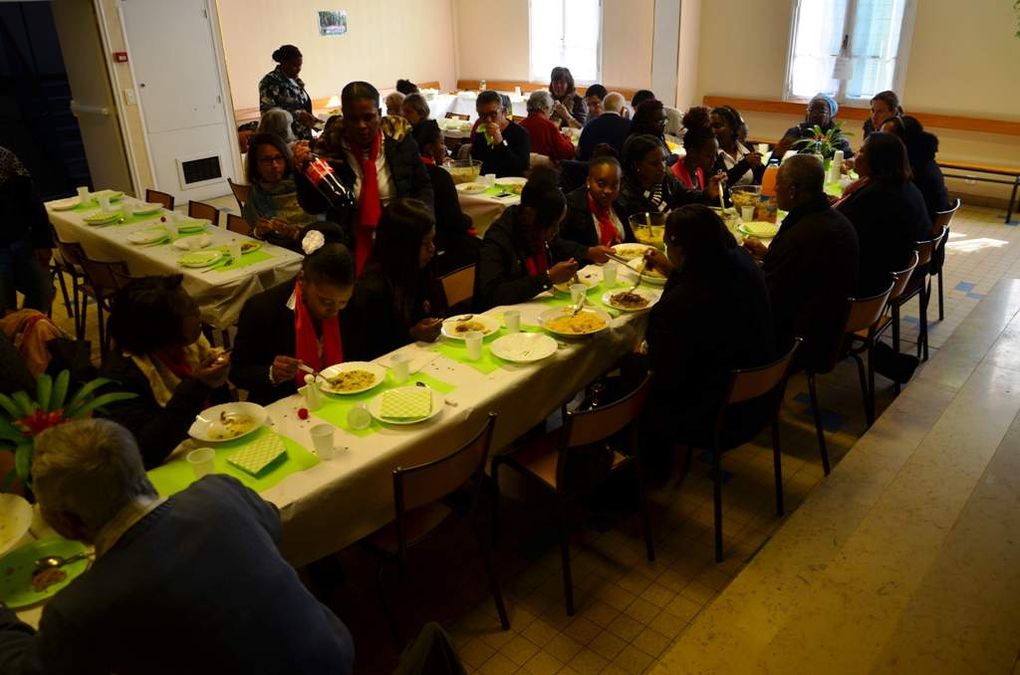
{"x": 25, "y": 239}
{"x": 282, "y": 88}
{"x": 821, "y": 113}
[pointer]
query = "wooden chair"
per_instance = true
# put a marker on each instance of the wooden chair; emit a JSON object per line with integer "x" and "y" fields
{"x": 920, "y": 287}
{"x": 104, "y": 280}
{"x": 203, "y": 210}
{"x": 67, "y": 260}
{"x": 943, "y": 219}
{"x": 419, "y": 495}
{"x": 747, "y": 385}
{"x": 583, "y": 436}
{"x": 157, "y": 197}
{"x": 457, "y": 287}
{"x": 238, "y": 224}
{"x": 862, "y": 327}
{"x": 240, "y": 193}
{"x": 891, "y": 315}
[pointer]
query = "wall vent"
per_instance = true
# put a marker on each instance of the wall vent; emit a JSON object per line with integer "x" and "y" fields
{"x": 201, "y": 169}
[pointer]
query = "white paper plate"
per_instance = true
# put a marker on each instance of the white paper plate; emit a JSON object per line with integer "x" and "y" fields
{"x": 646, "y": 277}
{"x": 100, "y": 218}
{"x": 375, "y": 408}
{"x": 15, "y": 519}
{"x": 208, "y": 427}
{"x": 759, "y": 229}
{"x": 195, "y": 243}
{"x": 200, "y": 259}
{"x": 631, "y": 251}
{"x": 490, "y": 324}
{"x": 589, "y": 276}
{"x": 472, "y": 188}
{"x": 523, "y": 347}
{"x": 147, "y": 209}
{"x": 114, "y": 195}
{"x": 651, "y": 296}
{"x": 545, "y": 317}
{"x": 64, "y": 204}
{"x": 512, "y": 180}
{"x": 149, "y": 236}
{"x": 377, "y": 371}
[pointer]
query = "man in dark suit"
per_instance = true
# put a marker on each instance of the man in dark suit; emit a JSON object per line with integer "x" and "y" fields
{"x": 189, "y": 584}
{"x": 610, "y": 127}
{"x": 811, "y": 267}
{"x": 502, "y": 146}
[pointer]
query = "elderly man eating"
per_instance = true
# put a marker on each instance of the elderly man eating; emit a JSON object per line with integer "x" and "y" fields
{"x": 189, "y": 584}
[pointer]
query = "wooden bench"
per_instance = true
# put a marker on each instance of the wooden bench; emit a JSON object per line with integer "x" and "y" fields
{"x": 968, "y": 170}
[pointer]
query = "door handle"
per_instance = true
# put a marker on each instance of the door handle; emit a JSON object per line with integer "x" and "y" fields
{"x": 78, "y": 108}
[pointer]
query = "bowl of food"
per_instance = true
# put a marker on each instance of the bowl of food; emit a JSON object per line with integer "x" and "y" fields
{"x": 15, "y": 519}
{"x": 464, "y": 170}
{"x": 513, "y": 184}
{"x": 649, "y": 228}
{"x": 563, "y": 322}
{"x": 351, "y": 377}
{"x": 636, "y": 300}
{"x": 744, "y": 196}
{"x": 227, "y": 422}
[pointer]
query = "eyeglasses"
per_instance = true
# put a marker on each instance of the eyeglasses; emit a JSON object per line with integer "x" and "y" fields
{"x": 272, "y": 159}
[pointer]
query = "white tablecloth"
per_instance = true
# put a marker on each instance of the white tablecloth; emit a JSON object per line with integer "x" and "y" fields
{"x": 484, "y": 209}
{"x": 219, "y": 294}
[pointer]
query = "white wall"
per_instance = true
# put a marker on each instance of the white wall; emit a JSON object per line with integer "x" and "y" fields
{"x": 385, "y": 41}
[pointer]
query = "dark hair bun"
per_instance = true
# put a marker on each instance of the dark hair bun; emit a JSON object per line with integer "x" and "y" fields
{"x": 286, "y": 53}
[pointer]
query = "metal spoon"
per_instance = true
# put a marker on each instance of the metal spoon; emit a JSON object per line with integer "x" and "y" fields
{"x": 640, "y": 271}
{"x": 56, "y": 561}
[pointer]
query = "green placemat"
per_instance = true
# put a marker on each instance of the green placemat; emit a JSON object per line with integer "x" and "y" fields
{"x": 335, "y": 408}
{"x": 457, "y": 350}
{"x": 246, "y": 260}
{"x": 496, "y": 191}
{"x": 177, "y": 474}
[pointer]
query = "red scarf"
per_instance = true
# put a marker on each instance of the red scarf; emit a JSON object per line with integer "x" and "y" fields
{"x": 307, "y": 343}
{"x": 369, "y": 206}
{"x": 682, "y": 173}
{"x": 425, "y": 159}
{"x": 537, "y": 264}
{"x": 608, "y": 236}
{"x": 173, "y": 359}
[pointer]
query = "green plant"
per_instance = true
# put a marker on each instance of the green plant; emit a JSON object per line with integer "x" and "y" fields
{"x": 823, "y": 143}
{"x": 22, "y": 418}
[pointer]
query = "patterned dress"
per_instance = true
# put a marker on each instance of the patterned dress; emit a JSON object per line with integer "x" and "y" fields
{"x": 276, "y": 90}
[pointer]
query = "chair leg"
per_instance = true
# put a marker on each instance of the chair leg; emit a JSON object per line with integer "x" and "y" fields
{"x": 494, "y": 499}
{"x": 497, "y": 595}
{"x": 942, "y": 312}
{"x": 896, "y": 338}
{"x": 388, "y": 615}
{"x": 568, "y": 583}
{"x": 862, "y": 376}
{"x": 922, "y": 334}
{"x": 778, "y": 466}
{"x": 717, "y": 500}
{"x": 818, "y": 423}
{"x": 63, "y": 292}
{"x": 871, "y": 379}
{"x": 646, "y": 521}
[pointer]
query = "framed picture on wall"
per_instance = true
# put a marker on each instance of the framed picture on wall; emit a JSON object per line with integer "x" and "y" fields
{"x": 333, "y": 23}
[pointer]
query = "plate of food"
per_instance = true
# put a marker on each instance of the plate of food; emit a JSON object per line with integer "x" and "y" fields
{"x": 149, "y": 236}
{"x": 630, "y": 251}
{"x": 457, "y": 326}
{"x": 147, "y": 209}
{"x": 514, "y": 184}
{"x": 559, "y": 321}
{"x": 64, "y": 204}
{"x": 406, "y": 405}
{"x": 227, "y": 421}
{"x": 472, "y": 188}
{"x": 197, "y": 259}
{"x": 250, "y": 247}
{"x": 759, "y": 229}
{"x": 15, "y": 519}
{"x": 636, "y": 300}
{"x": 650, "y": 274}
{"x": 352, "y": 377}
{"x": 589, "y": 276}
{"x": 523, "y": 347}
{"x": 101, "y": 217}
{"x": 22, "y": 584}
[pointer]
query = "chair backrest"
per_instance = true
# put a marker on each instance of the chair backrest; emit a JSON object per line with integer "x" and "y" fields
{"x": 751, "y": 383}
{"x": 238, "y": 224}
{"x": 902, "y": 278}
{"x": 925, "y": 249}
{"x": 106, "y": 278}
{"x": 157, "y": 197}
{"x": 865, "y": 312}
{"x": 203, "y": 210}
{"x": 240, "y": 194}
{"x": 458, "y": 286}
{"x": 591, "y": 426}
{"x": 943, "y": 219}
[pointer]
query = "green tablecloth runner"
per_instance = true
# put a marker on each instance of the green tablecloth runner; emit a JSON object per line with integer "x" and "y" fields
{"x": 497, "y": 191}
{"x": 177, "y": 474}
{"x": 457, "y": 350}
{"x": 335, "y": 408}
{"x": 246, "y": 260}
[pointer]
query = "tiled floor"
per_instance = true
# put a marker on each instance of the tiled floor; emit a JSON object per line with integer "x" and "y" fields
{"x": 630, "y": 611}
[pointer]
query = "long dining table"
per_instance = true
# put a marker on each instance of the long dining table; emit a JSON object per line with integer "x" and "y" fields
{"x": 220, "y": 292}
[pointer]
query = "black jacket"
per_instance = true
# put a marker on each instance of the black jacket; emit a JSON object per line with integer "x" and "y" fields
{"x": 22, "y": 214}
{"x": 811, "y": 271}
{"x": 607, "y": 128}
{"x": 927, "y": 175}
{"x": 386, "y": 322}
{"x": 457, "y": 246}
{"x": 157, "y": 430}
{"x": 502, "y": 277}
{"x": 402, "y": 158}
{"x": 578, "y": 225}
{"x": 675, "y": 194}
{"x": 889, "y": 220}
{"x": 708, "y": 323}
{"x": 512, "y": 157}
{"x": 265, "y": 331}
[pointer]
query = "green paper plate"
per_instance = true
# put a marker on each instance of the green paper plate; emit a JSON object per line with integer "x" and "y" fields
{"x": 100, "y": 218}
{"x": 16, "y": 568}
{"x": 201, "y": 258}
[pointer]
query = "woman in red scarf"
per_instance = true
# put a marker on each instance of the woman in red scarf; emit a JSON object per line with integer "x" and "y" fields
{"x": 595, "y": 218}
{"x": 695, "y": 169}
{"x": 300, "y": 322}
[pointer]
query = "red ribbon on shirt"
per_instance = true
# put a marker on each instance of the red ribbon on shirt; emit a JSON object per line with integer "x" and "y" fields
{"x": 537, "y": 264}
{"x": 306, "y": 342}
{"x": 682, "y": 173}
{"x": 608, "y": 236}
{"x": 369, "y": 206}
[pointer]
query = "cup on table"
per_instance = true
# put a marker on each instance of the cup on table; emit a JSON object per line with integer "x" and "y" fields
{"x": 322, "y": 441}
{"x": 609, "y": 271}
{"x": 490, "y": 179}
{"x": 473, "y": 342}
{"x": 201, "y": 461}
{"x": 577, "y": 292}
{"x": 400, "y": 365}
{"x": 234, "y": 250}
{"x": 125, "y": 210}
{"x": 83, "y": 194}
{"x": 358, "y": 417}
{"x": 104, "y": 203}
{"x": 512, "y": 319}
{"x": 747, "y": 213}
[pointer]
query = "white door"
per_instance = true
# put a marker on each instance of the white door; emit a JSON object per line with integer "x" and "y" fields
{"x": 176, "y": 66}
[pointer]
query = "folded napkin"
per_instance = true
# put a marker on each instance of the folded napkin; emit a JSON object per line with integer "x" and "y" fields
{"x": 410, "y": 403}
{"x": 256, "y": 456}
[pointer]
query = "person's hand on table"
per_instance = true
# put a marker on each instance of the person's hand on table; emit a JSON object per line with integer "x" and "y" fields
{"x": 715, "y": 184}
{"x": 753, "y": 158}
{"x": 562, "y": 272}
{"x": 783, "y": 146}
{"x": 302, "y": 152}
{"x": 599, "y": 254}
{"x": 494, "y": 133}
{"x": 44, "y": 255}
{"x": 657, "y": 260}
{"x": 213, "y": 371}
{"x": 284, "y": 368}
{"x": 756, "y": 248}
{"x": 427, "y": 330}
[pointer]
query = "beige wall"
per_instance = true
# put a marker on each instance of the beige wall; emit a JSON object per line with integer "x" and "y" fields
{"x": 386, "y": 41}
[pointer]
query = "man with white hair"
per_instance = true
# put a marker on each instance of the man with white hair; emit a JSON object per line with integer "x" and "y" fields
{"x": 546, "y": 138}
{"x": 189, "y": 584}
{"x": 611, "y": 128}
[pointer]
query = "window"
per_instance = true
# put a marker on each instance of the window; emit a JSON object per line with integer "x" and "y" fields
{"x": 566, "y": 33}
{"x": 851, "y": 49}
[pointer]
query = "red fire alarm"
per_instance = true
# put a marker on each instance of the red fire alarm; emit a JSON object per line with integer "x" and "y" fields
{"x": 120, "y": 57}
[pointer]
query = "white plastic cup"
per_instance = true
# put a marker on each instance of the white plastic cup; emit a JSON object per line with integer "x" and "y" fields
{"x": 104, "y": 203}
{"x": 201, "y": 461}
{"x": 747, "y": 213}
{"x": 400, "y": 367}
{"x": 322, "y": 441}
{"x": 512, "y": 319}
{"x": 473, "y": 342}
{"x": 490, "y": 179}
{"x": 125, "y": 210}
{"x": 234, "y": 250}
{"x": 83, "y": 194}
{"x": 313, "y": 397}
{"x": 609, "y": 271}
{"x": 577, "y": 291}
{"x": 358, "y": 417}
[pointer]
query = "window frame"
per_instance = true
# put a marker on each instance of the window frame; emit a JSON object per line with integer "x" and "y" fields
{"x": 598, "y": 43}
{"x": 902, "y": 54}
